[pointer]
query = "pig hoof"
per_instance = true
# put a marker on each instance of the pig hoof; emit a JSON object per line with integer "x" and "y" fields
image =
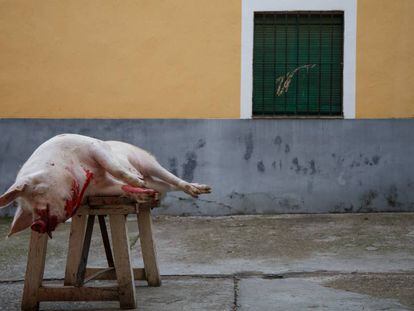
{"x": 202, "y": 188}
{"x": 191, "y": 190}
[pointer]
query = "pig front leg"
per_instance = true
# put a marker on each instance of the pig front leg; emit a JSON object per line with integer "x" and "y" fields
{"x": 108, "y": 161}
{"x": 121, "y": 189}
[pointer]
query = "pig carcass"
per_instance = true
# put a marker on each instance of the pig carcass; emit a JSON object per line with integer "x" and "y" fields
{"x": 67, "y": 168}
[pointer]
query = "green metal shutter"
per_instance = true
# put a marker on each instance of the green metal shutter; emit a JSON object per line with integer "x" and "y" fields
{"x": 298, "y": 63}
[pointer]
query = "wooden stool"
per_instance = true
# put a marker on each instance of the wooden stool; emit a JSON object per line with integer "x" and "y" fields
{"x": 119, "y": 262}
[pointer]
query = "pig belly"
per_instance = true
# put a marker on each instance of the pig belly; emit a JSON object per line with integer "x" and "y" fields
{"x": 110, "y": 188}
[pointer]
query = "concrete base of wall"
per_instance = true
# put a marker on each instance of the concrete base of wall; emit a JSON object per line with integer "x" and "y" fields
{"x": 254, "y": 166}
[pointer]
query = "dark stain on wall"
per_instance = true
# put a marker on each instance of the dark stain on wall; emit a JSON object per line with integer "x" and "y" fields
{"x": 287, "y": 148}
{"x": 373, "y": 161}
{"x": 277, "y": 141}
{"x": 366, "y": 200}
{"x": 343, "y": 207}
{"x": 172, "y": 165}
{"x": 392, "y": 197}
{"x": 201, "y": 143}
{"x": 260, "y": 167}
{"x": 290, "y": 204}
{"x": 349, "y": 209}
{"x": 189, "y": 166}
{"x": 355, "y": 164}
{"x": 376, "y": 159}
{"x": 296, "y": 165}
{"x": 312, "y": 167}
{"x": 367, "y": 162}
{"x": 248, "y": 141}
{"x": 339, "y": 207}
{"x": 276, "y": 164}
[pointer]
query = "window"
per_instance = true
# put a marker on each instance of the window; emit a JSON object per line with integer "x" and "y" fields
{"x": 298, "y": 63}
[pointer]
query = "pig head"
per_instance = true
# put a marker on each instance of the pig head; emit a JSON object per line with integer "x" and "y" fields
{"x": 54, "y": 181}
{"x": 45, "y": 198}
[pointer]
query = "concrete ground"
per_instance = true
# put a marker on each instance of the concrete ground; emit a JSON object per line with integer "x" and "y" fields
{"x": 283, "y": 262}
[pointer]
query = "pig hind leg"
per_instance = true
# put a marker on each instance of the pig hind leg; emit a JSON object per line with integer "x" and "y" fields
{"x": 154, "y": 169}
{"x": 104, "y": 156}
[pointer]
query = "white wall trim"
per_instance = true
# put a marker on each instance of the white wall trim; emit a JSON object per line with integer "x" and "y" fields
{"x": 250, "y": 6}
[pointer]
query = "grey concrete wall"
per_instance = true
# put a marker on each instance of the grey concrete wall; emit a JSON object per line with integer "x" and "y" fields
{"x": 254, "y": 166}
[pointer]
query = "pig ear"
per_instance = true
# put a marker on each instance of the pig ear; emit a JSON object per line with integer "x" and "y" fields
{"x": 22, "y": 220}
{"x": 12, "y": 194}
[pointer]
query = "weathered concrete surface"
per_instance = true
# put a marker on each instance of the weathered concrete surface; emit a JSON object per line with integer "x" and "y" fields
{"x": 255, "y": 244}
{"x": 384, "y": 285}
{"x": 291, "y": 262}
{"x": 254, "y": 166}
{"x": 250, "y": 293}
{"x": 174, "y": 294}
{"x": 307, "y": 294}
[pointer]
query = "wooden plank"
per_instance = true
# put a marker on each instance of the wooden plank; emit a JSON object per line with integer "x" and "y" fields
{"x": 34, "y": 271}
{"x": 72, "y": 293}
{"x": 105, "y": 240}
{"x": 123, "y": 266}
{"x": 97, "y": 274}
{"x": 80, "y": 276}
{"x": 77, "y": 233}
{"x": 116, "y": 200}
{"x": 148, "y": 249}
{"x": 109, "y": 200}
{"x": 107, "y": 210}
{"x": 139, "y": 273}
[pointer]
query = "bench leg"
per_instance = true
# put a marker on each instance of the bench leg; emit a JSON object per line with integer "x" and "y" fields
{"x": 34, "y": 271}
{"x": 149, "y": 253}
{"x": 124, "y": 272}
{"x": 76, "y": 238}
{"x": 80, "y": 276}
{"x": 105, "y": 240}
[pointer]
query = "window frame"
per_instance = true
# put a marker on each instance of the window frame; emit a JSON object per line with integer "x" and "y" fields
{"x": 249, "y": 7}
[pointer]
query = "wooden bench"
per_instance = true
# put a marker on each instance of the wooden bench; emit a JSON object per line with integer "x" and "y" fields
{"x": 77, "y": 273}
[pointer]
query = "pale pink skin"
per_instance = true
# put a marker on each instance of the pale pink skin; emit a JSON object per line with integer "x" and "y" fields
{"x": 45, "y": 182}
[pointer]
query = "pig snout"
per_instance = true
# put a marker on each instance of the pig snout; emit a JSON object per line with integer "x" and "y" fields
{"x": 39, "y": 226}
{"x": 46, "y": 223}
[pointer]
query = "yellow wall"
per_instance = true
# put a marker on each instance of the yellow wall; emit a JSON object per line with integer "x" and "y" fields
{"x": 171, "y": 58}
{"x": 385, "y": 59}
{"x": 126, "y": 59}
